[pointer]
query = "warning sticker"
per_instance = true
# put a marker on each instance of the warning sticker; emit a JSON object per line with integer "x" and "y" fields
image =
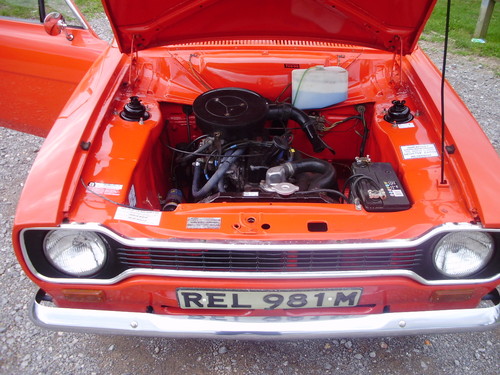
{"x": 138, "y": 216}
{"x": 406, "y": 125}
{"x": 393, "y": 189}
{"x": 419, "y": 151}
{"x": 203, "y": 223}
{"x": 105, "y": 189}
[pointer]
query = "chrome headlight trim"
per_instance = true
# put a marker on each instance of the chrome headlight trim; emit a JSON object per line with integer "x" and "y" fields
{"x": 259, "y": 245}
{"x": 462, "y": 254}
{"x": 77, "y": 253}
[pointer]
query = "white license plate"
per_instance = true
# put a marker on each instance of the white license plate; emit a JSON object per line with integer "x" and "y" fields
{"x": 267, "y": 299}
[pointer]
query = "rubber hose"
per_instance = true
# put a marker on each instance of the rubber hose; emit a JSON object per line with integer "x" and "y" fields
{"x": 326, "y": 179}
{"x": 308, "y": 125}
{"x": 226, "y": 162}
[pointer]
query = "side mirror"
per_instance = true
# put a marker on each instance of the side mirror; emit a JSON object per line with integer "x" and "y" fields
{"x": 55, "y": 23}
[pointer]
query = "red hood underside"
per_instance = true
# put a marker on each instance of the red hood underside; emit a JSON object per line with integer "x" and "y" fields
{"x": 392, "y": 25}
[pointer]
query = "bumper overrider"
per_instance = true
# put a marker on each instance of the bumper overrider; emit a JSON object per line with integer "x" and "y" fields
{"x": 231, "y": 327}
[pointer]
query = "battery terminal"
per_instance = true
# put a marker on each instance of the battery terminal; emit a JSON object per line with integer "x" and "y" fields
{"x": 377, "y": 194}
{"x": 363, "y": 160}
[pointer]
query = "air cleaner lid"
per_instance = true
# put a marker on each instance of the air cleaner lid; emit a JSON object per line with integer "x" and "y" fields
{"x": 233, "y": 112}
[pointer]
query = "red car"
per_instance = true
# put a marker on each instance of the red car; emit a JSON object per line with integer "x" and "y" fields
{"x": 250, "y": 169}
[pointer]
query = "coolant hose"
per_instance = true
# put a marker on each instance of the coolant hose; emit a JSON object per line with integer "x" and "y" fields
{"x": 308, "y": 125}
{"x": 228, "y": 159}
{"x": 326, "y": 179}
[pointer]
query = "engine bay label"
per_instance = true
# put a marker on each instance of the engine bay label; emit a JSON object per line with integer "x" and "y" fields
{"x": 203, "y": 222}
{"x": 419, "y": 151}
{"x": 138, "y": 216}
{"x": 105, "y": 189}
{"x": 406, "y": 125}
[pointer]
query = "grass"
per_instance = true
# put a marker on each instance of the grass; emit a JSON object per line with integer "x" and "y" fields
{"x": 20, "y": 9}
{"x": 463, "y": 19}
{"x": 90, "y": 8}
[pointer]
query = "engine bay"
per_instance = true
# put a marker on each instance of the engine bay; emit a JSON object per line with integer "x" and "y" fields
{"x": 251, "y": 143}
{"x": 248, "y": 151}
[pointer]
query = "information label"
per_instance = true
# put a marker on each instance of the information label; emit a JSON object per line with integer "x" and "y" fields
{"x": 105, "y": 189}
{"x": 138, "y": 216}
{"x": 419, "y": 151}
{"x": 406, "y": 125}
{"x": 204, "y": 222}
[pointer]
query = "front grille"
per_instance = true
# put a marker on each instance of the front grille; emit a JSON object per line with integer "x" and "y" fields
{"x": 271, "y": 261}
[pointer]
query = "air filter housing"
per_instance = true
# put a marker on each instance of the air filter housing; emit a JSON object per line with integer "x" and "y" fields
{"x": 234, "y": 113}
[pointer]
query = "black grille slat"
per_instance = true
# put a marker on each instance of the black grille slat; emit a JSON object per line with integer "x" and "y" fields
{"x": 270, "y": 261}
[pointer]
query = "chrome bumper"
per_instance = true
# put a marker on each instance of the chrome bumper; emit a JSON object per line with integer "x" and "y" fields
{"x": 185, "y": 326}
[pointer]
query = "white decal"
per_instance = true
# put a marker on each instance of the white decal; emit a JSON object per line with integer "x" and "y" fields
{"x": 138, "y": 216}
{"x": 105, "y": 189}
{"x": 406, "y": 125}
{"x": 419, "y": 151}
{"x": 250, "y": 193}
{"x": 203, "y": 222}
{"x": 398, "y": 193}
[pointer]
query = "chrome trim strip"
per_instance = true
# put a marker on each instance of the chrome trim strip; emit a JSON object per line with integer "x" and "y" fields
{"x": 230, "y": 327}
{"x": 258, "y": 246}
{"x": 77, "y": 14}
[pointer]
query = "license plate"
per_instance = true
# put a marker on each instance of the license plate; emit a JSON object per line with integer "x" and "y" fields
{"x": 267, "y": 299}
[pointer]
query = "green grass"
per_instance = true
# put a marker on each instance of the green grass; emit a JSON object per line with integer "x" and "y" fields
{"x": 90, "y": 8}
{"x": 464, "y": 14}
{"x": 23, "y": 9}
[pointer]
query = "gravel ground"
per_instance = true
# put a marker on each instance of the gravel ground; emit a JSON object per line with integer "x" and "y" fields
{"x": 26, "y": 349}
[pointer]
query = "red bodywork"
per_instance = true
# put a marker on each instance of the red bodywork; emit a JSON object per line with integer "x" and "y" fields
{"x": 165, "y": 78}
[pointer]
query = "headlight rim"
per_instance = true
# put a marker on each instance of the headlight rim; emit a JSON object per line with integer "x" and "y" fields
{"x": 485, "y": 262}
{"x": 85, "y": 274}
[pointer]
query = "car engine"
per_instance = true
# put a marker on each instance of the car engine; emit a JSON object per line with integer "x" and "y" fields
{"x": 238, "y": 158}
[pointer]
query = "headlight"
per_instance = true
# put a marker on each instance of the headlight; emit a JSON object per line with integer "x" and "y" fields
{"x": 462, "y": 254}
{"x": 75, "y": 252}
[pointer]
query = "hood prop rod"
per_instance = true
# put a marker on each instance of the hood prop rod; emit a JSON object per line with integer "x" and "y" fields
{"x": 443, "y": 74}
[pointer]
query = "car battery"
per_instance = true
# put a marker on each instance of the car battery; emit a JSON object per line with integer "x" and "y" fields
{"x": 378, "y": 187}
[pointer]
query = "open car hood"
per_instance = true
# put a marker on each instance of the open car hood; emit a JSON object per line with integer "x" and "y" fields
{"x": 391, "y": 25}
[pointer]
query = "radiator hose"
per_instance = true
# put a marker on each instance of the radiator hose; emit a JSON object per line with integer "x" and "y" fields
{"x": 226, "y": 162}
{"x": 287, "y": 111}
{"x": 327, "y": 178}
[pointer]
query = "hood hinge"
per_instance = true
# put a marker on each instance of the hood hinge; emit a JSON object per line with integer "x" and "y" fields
{"x": 134, "y": 56}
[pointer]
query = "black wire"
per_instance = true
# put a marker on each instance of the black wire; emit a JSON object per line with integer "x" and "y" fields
{"x": 357, "y": 178}
{"x": 282, "y": 92}
{"x": 331, "y": 191}
{"x": 354, "y": 191}
{"x": 202, "y": 154}
{"x": 327, "y": 146}
{"x": 443, "y": 74}
{"x": 197, "y": 139}
{"x": 110, "y": 200}
{"x": 349, "y": 179}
